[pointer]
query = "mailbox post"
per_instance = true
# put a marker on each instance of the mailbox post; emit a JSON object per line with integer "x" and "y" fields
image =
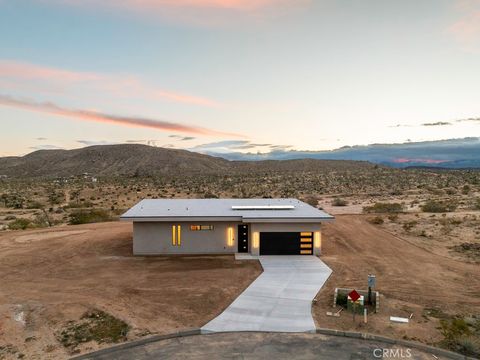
{"x": 371, "y": 284}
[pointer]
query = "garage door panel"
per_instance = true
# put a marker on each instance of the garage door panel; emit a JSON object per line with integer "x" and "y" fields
{"x": 285, "y": 243}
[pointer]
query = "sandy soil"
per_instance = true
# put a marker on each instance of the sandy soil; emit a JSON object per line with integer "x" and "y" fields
{"x": 51, "y": 276}
{"x": 438, "y": 233}
{"x": 409, "y": 279}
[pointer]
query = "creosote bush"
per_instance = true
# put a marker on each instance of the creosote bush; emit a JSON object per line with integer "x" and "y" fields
{"x": 380, "y": 207}
{"x": 377, "y": 220}
{"x": 20, "y": 224}
{"x": 436, "y": 206}
{"x": 339, "y": 202}
{"x": 89, "y": 216}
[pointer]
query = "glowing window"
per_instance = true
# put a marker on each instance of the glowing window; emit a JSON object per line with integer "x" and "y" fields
{"x": 201, "y": 227}
{"x": 176, "y": 235}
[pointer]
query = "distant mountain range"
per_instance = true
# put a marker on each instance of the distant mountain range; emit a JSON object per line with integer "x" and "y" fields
{"x": 143, "y": 160}
{"x": 453, "y": 153}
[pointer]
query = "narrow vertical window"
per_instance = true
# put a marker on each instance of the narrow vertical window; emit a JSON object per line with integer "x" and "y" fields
{"x": 174, "y": 236}
{"x": 179, "y": 235}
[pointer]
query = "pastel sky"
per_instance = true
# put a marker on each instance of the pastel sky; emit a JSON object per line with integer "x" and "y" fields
{"x": 233, "y": 75}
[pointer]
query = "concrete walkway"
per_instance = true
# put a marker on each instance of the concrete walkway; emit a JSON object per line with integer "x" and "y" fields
{"x": 280, "y": 299}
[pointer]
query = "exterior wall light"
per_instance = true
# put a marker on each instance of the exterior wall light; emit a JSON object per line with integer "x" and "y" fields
{"x": 317, "y": 240}
{"x": 230, "y": 238}
{"x": 256, "y": 239}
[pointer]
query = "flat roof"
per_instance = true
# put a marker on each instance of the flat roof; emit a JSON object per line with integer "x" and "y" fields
{"x": 241, "y": 210}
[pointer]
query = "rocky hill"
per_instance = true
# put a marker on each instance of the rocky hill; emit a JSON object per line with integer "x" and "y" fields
{"x": 143, "y": 160}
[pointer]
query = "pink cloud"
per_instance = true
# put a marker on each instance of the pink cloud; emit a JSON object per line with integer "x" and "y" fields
{"x": 466, "y": 29}
{"x": 205, "y": 13}
{"x": 241, "y": 5}
{"x": 94, "y": 116}
{"x": 12, "y": 69}
{"x": 418, "y": 160}
{"x": 49, "y": 79}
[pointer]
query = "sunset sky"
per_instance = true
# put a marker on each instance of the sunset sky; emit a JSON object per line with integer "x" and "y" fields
{"x": 232, "y": 75}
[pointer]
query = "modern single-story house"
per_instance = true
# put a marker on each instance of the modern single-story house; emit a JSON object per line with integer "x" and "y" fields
{"x": 226, "y": 226}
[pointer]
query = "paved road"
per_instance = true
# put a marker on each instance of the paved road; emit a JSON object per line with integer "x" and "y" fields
{"x": 279, "y": 299}
{"x": 265, "y": 346}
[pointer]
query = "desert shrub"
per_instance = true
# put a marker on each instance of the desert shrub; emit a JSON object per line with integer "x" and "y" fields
{"x": 450, "y": 191}
{"x": 96, "y": 326}
{"x": 454, "y": 328}
{"x": 392, "y": 217}
{"x": 89, "y": 216}
{"x": 476, "y": 204}
{"x": 436, "y": 206}
{"x": 208, "y": 195}
{"x": 383, "y": 208}
{"x": 311, "y": 200}
{"x": 458, "y": 337}
{"x": 20, "y": 224}
{"x": 342, "y": 300}
{"x": 78, "y": 205}
{"x": 409, "y": 225}
{"x": 34, "y": 205}
{"x": 377, "y": 220}
{"x": 339, "y": 202}
{"x": 10, "y": 217}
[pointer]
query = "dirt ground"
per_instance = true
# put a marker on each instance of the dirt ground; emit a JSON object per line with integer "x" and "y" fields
{"x": 410, "y": 280}
{"x": 51, "y": 276}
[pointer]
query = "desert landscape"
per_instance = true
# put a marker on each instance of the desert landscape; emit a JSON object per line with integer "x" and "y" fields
{"x": 70, "y": 283}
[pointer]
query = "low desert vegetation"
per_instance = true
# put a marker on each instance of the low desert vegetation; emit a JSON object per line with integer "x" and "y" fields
{"x": 461, "y": 335}
{"x": 87, "y": 216}
{"x": 20, "y": 224}
{"x": 382, "y": 208}
{"x": 437, "y": 206}
{"x": 339, "y": 202}
{"x": 377, "y": 220}
{"x": 95, "y": 325}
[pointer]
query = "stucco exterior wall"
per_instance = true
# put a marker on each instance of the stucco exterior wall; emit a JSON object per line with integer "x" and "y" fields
{"x": 154, "y": 238}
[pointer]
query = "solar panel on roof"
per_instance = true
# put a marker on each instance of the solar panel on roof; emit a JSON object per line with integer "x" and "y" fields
{"x": 263, "y": 207}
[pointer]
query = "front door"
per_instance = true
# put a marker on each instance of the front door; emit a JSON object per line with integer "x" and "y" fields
{"x": 242, "y": 238}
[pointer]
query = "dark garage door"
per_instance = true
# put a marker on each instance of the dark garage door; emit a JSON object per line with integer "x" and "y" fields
{"x": 286, "y": 243}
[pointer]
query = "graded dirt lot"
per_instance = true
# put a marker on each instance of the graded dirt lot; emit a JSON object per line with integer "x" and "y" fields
{"x": 52, "y": 276}
{"x": 409, "y": 278}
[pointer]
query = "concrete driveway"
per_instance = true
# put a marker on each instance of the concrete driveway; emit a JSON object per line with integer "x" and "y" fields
{"x": 280, "y": 299}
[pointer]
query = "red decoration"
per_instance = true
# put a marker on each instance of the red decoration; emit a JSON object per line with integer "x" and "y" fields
{"x": 354, "y": 295}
